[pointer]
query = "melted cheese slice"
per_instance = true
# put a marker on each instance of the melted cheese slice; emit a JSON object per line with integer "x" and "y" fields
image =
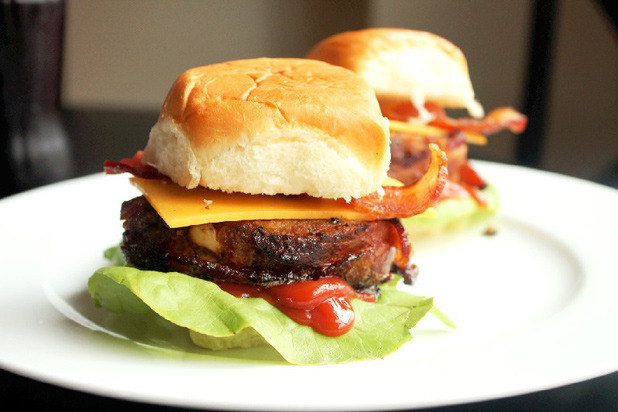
{"x": 181, "y": 207}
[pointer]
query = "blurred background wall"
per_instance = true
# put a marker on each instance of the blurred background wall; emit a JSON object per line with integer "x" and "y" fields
{"x": 125, "y": 54}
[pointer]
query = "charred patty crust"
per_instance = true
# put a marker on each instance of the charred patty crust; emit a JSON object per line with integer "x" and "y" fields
{"x": 266, "y": 252}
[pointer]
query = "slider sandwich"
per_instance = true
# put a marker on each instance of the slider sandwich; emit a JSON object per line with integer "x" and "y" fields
{"x": 417, "y": 76}
{"x": 264, "y": 219}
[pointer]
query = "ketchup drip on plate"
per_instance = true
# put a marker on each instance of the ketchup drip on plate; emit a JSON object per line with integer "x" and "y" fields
{"x": 322, "y": 304}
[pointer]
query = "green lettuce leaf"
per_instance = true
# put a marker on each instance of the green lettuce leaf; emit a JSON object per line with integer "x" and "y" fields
{"x": 454, "y": 214}
{"x": 115, "y": 256}
{"x": 217, "y": 319}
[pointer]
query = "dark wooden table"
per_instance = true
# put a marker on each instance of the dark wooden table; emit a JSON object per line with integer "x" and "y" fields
{"x": 97, "y": 135}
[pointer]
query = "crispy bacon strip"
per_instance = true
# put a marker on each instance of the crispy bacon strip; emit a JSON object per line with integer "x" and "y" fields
{"x": 470, "y": 177}
{"x": 404, "y": 251}
{"x": 454, "y": 190}
{"x": 469, "y": 186}
{"x": 497, "y": 120}
{"x": 134, "y": 166}
{"x": 406, "y": 201}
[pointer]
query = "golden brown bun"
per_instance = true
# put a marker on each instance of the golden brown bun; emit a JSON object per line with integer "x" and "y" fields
{"x": 404, "y": 64}
{"x": 272, "y": 126}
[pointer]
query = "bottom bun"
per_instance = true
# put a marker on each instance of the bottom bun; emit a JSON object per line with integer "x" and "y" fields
{"x": 455, "y": 215}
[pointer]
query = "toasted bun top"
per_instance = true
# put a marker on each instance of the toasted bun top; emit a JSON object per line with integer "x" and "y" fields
{"x": 268, "y": 126}
{"x": 404, "y": 64}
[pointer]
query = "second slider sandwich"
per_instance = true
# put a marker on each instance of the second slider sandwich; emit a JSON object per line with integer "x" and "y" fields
{"x": 263, "y": 179}
{"x": 417, "y": 77}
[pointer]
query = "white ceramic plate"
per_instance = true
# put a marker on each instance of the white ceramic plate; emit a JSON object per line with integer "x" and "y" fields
{"x": 535, "y": 307}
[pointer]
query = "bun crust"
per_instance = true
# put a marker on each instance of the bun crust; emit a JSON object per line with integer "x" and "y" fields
{"x": 404, "y": 64}
{"x": 268, "y": 126}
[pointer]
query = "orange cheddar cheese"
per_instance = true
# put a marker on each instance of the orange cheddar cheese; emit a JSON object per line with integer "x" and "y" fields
{"x": 181, "y": 207}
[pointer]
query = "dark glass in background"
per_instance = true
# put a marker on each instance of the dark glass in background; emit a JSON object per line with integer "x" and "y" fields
{"x": 34, "y": 147}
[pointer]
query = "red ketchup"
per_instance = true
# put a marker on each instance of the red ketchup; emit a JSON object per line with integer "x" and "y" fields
{"x": 322, "y": 304}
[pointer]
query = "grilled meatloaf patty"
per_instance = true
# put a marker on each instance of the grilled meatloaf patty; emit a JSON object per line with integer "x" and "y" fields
{"x": 265, "y": 252}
